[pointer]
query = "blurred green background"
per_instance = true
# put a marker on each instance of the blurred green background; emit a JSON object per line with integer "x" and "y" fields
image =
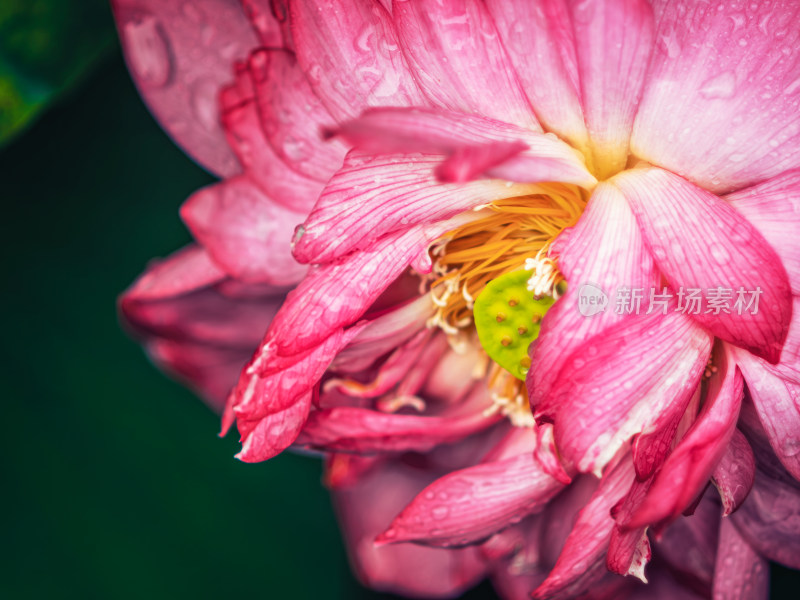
{"x": 114, "y": 484}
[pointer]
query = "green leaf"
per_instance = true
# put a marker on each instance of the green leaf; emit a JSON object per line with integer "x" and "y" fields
{"x": 46, "y": 46}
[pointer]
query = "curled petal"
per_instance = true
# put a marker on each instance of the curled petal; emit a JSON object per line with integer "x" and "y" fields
{"x": 735, "y": 473}
{"x": 686, "y": 471}
{"x": 700, "y": 242}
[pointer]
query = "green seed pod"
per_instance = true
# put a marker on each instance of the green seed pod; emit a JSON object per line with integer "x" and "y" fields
{"x": 508, "y": 317}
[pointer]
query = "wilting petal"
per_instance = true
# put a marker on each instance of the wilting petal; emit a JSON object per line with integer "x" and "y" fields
{"x": 734, "y": 474}
{"x": 245, "y": 232}
{"x": 372, "y": 197}
{"x": 720, "y": 105}
{"x": 613, "y": 42}
{"x": 773, "y": 207}
{"x": 364, "y": 430}
{"x": 700, "y": 242}
{"x": 582, "y": 561}
{"x": 338, "y": 293}
{"x": 604, "y": 250}
{"x": 686, "y": 471}
{"x": 292, "y": 116}
{"x": 261, "y": 163}
{"x": 777, "y": 401}
{"x": 180, "y": 58}
{"x": 437, "y": 131}
{"x": 539, "y": 39}
{"x": 473, "y": 503}
{"x": 351, "y": 73}
{"x": 368, "y": 506}
{"x": 740, "y": 573}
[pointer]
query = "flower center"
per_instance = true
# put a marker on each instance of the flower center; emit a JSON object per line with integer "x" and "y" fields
{"x": 513, "y": 235}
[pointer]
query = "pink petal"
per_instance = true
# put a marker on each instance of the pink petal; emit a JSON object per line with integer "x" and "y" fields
{"x": 468, "y": 163}
{"x": 338, "y": 293}
{"x": 720, "y": 103}
{"x": 605, "y": 249}
{"x": 367, "y": 507}
{"x": 740, "y": 573}
{"x": 179, "y": 60}
{"x": 349, "y": 51}
{"x": 187, "y": 270}
{"x": 264, "y": 21}
{"x": 613, "y": 43}
{"x": 628, "y": 380}
{"x": 271, "y": 409}
{"x": 582, "y": 561}
{"x": 543, "y": 54}
{"x": 686, "y": 471}
{"x": 363, "y": 430}
{"x": 734, "y": 474}
{"x": 773, "y": 207}
{"x": 777, "y": 401}
{"x": 699, "y": 241}
{"x": 244, "y": 132}
{"x": 245, "y": 232}
{"x": 437, "y": 131}
{"x": 471, "y": 504}
{"x": 292, "y": 116}
{"x": 459, "y": 61}
{"x": 372, "y": 197}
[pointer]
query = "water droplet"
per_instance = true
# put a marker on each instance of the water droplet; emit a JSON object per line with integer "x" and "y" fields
{"x": 440, "y": 512}
{"x": 204, "y": 103}
{"x": 721, "y": 86}
{"x": 148, "y": 51}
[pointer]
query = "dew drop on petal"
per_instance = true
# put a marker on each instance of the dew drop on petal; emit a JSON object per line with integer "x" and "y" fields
{"x": 149, "y": 52}
{"x": 720, "y": 86}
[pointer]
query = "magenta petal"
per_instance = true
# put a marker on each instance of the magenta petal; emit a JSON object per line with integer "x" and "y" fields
{"x": 471, "y": 504}
{"x": 179, "y": 60}
{"x": 613, "y": 42}
{"x": 372, "y": 197}
{"x": 700, "y": 242}
{"x": 686, "y": 471}
{"x": 543, "y": 54}
{"x": 186, "y": 270}
{"x": 468, "y": 163}
{"x": 582, "y": 561}
{"x": 459, "y": 61}
{"x": 740, "y": 573}
{"x": 362, "y": 430}
{"x": 777, "y": 401}
{"x": 629, "y": 378}
{"x": 349, "y": 51}
{"x": 734, "y": 474}
{"x": 773, "y": 207}
{"x": 266, "y": 24}
{"x": 245, "y": 232}
{"x": 438, "y": 131}
{"x": 720, "y": 104}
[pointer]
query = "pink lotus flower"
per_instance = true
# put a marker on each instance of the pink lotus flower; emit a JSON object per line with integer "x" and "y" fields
{"x": 428, "y": 152}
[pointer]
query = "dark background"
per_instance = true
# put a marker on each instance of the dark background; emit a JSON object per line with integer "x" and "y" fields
{"x": 114, "y": 484}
